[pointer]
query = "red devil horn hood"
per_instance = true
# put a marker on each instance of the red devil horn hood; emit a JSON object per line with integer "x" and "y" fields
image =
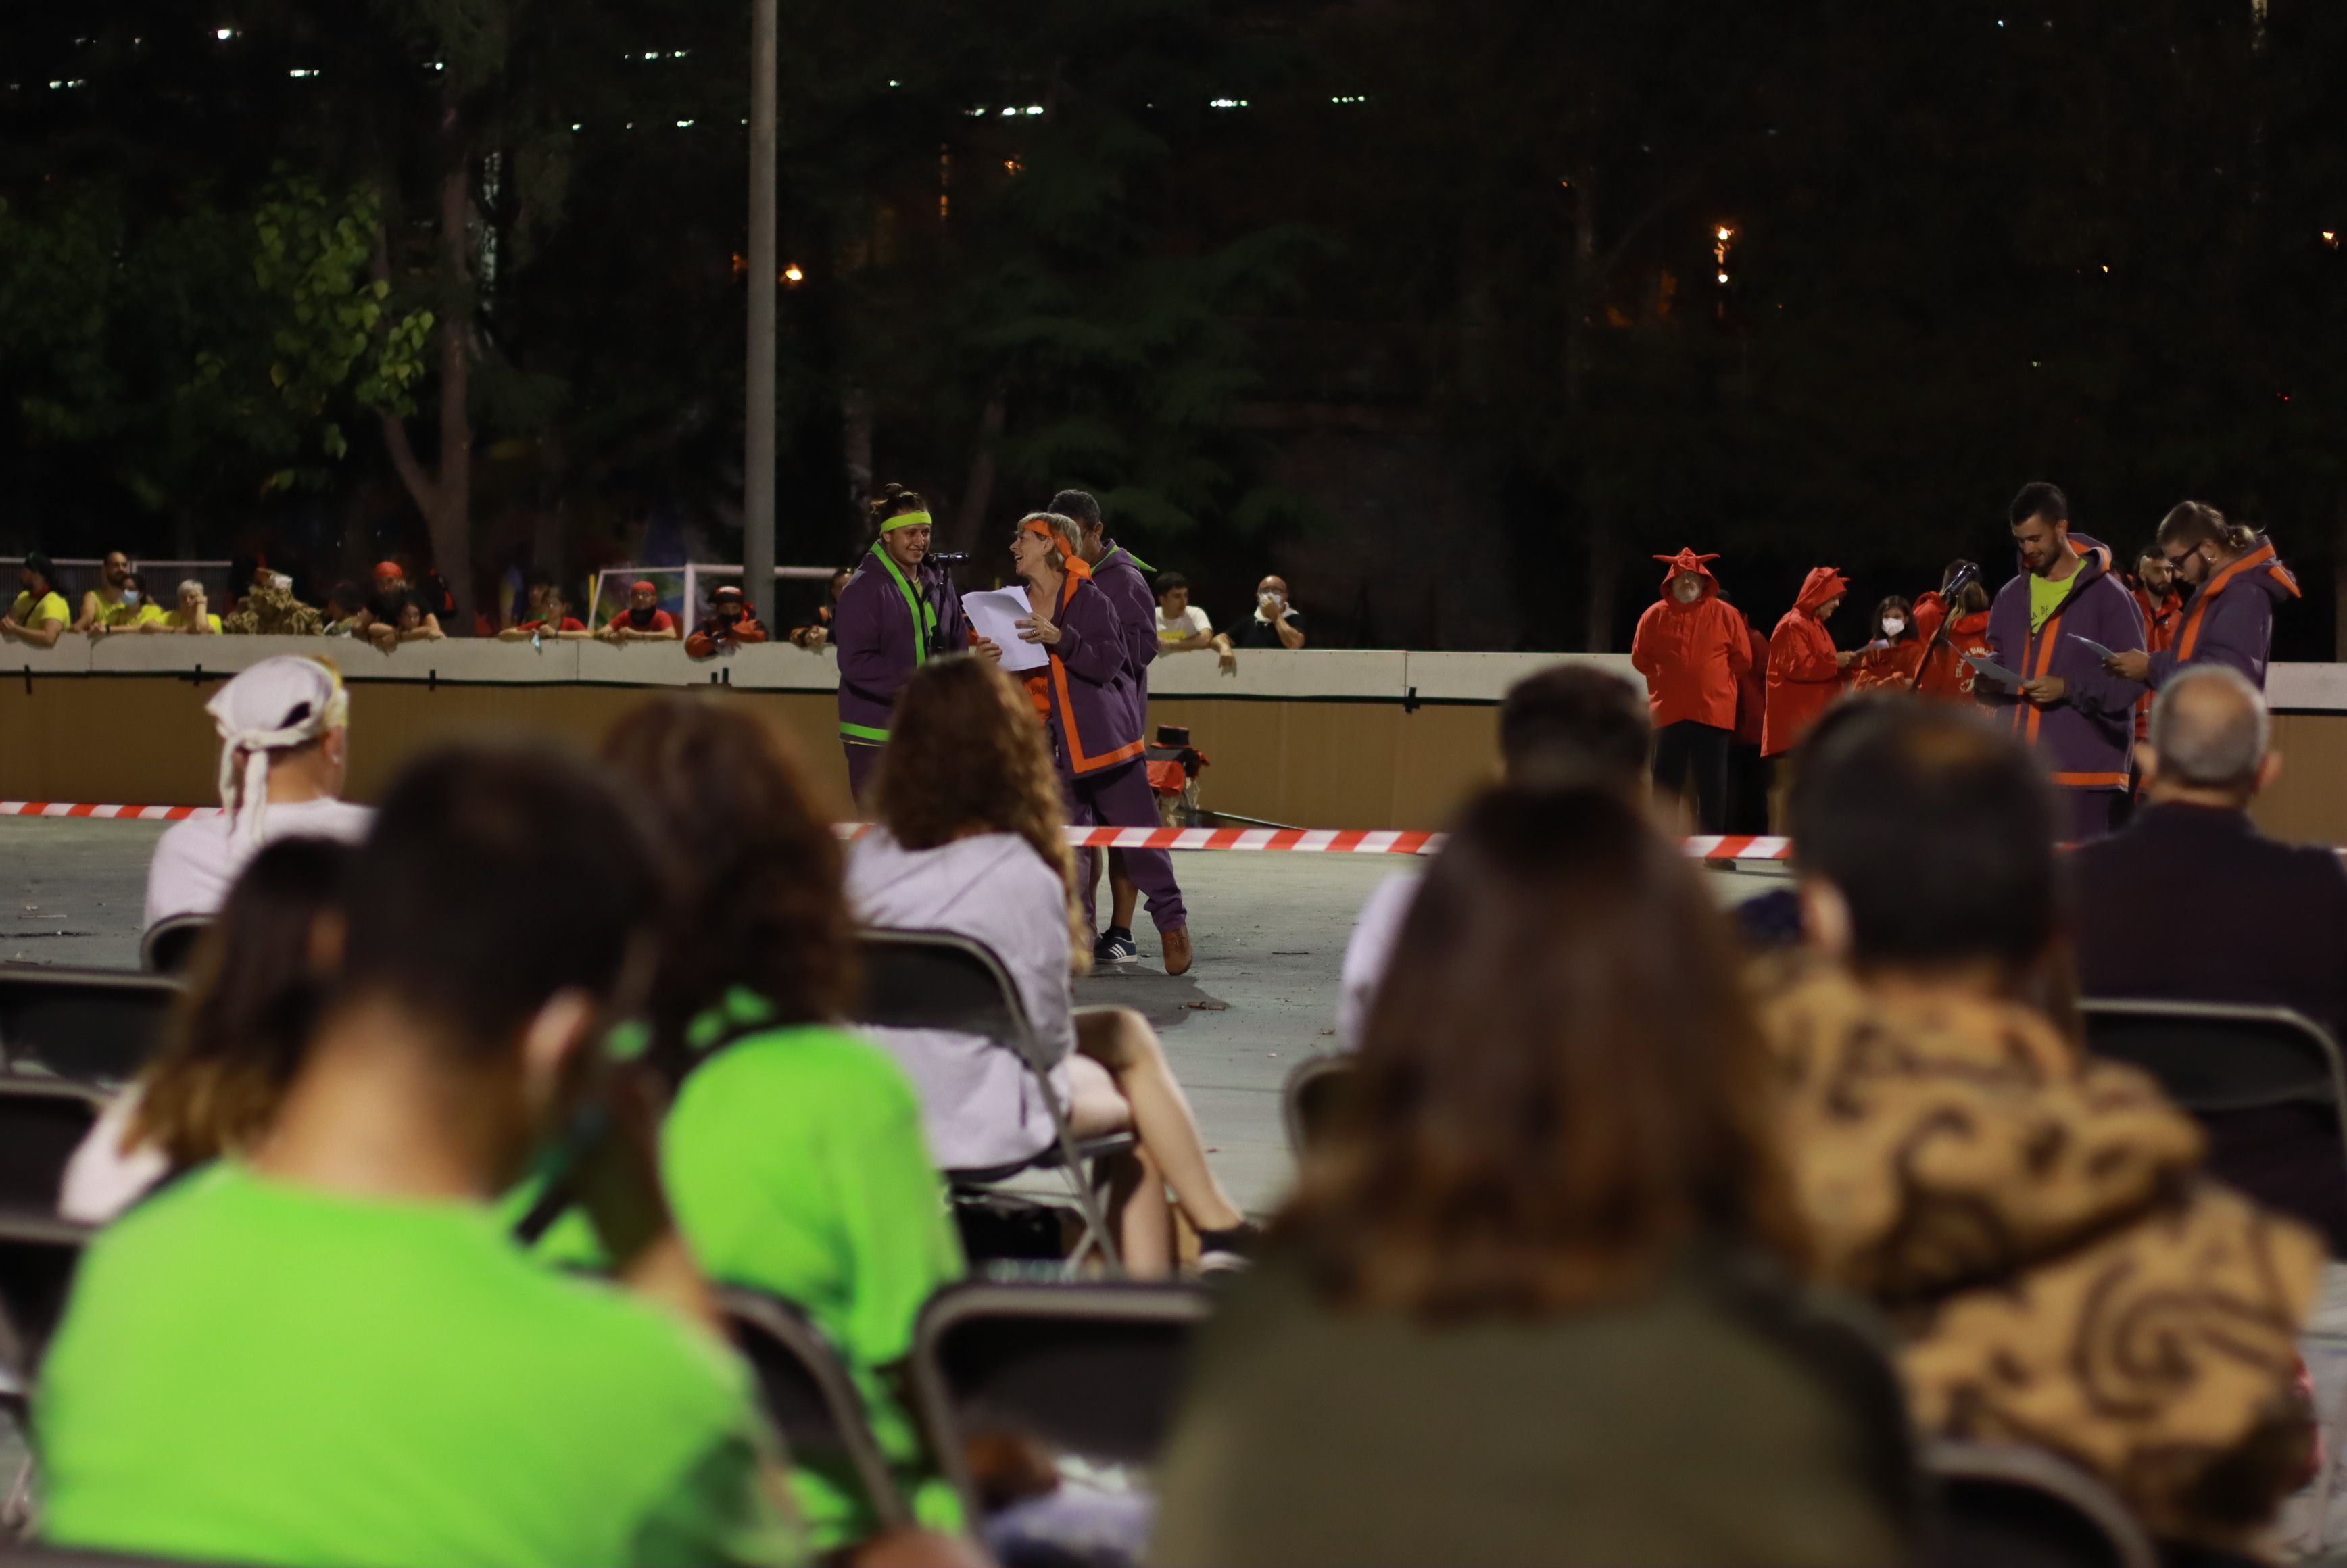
{"x": 1822, "y": 583}
{"x": 1688, "y": 560}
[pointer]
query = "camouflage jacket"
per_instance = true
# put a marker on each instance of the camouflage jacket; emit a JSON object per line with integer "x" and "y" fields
{"x": 272, "y": 611}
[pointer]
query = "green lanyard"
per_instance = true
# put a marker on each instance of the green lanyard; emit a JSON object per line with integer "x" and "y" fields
{"x": 925, "y": 614}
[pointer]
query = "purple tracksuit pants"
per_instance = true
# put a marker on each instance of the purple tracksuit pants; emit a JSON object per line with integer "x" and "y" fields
{"x": 1121, "y": 797}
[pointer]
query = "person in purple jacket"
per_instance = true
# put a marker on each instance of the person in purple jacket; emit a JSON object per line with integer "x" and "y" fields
{"x": 892, "y": 617}
{"x": 1121, "y": 576}
{"x": 2237, "y": 583}
{"x": 1087, "y": 698}
{"x": 2077, "y": 715}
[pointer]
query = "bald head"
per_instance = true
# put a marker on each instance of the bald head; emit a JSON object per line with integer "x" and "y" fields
{"x": 2209, "y": 733}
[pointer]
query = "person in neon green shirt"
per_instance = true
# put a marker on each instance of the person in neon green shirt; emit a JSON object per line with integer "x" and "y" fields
{"x": 39, "y": 615}
{"x": 330, "y": 1353}
{"x": 794, "y": 1150}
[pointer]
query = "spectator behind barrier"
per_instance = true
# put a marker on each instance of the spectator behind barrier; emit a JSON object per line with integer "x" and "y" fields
{"x": 345, "y": 605}
{"x": 1568, "y": 725}
{"x": 816, "y": 635}
{"x": 794, "y": 1150}
{"x": 284, "y": 733}
{"x": 39, "y": 615}
{"x": 551, "y": 617}
{"x": 1275, "y": 622}
{"x": 728, "y": 625}
{"x": 234, "y": 1038}
{"x": 1530, "y": 1303}
{"x": 270, "y": 610}
{"x": 2269, "y": 922}
{"x": 1182, "y": 627}
{"x": 643, "y": 620}
{"x": 330, "y": 1353}
{"x": 971, "y": 840}
{"x": 135, "y": 613}
{"x": 192, "y": 616}
{"x": 105, "y": 606}
{"x": 2022, "y": 1207}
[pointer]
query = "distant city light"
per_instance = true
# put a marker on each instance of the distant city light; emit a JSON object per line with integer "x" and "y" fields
{"x": 1226, "y": 103}
{"x": 1723, "y": 277}
{"x": 2107, "y": 266}
{"x": 2330, "y": 237}
{"x": 301, "y": 71}
{"x": 223, "y": 34}
{"x": 1356, "y": 98}
{"x": 1724, "y": 231}
{"x": 791, "y": 274}
{"x": 1032, "y": 108}
{"x": 1723, "y": 235}
{"x": 577, "y": 128}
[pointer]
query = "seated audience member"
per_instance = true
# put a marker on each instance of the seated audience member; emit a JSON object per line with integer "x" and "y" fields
{"x": 192, "y": 616}
{"x": 2269, "y": 922}
{"x": 284, "y": 746}
{"x": 971, "y": 840}
{"x": 551, "y": 618}
{"x": 270, "y": 610}
{"x": 325, "y": 1351}
{"x": 1274, "y": 623}
{"x": 412, "y": 622}
{"x": 817, "y": 636}
{"x": 1181, "y": 626}
{"x": 1570, "y": 724}
{"x": 643, "y": 620}
{"x": 729, "y": 625}
{"x": 234, "y": 1038}
{"x": 393, "y": 616}
{"x": 793, "y": 1153}
{"x": 107, "y": 606}
{"x": 1531, "y": 1302}
{"x": 2027, "y": 1213}
{"x": 39, "y": 616}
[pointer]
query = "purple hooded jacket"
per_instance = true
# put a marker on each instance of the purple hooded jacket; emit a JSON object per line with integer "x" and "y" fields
{"x": 2229, "y": 619}
{"x": 1118, "y": 574}
{"x": 2085, "y": 738}
{"x": 873, "y": 631}
{"x": 1093, "y": 725}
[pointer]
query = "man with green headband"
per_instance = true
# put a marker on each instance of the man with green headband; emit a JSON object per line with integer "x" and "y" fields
{"x": 894, "y": 616}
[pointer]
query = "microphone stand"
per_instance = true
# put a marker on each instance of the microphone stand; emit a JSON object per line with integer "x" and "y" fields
{"x": 949, "y": 603}
{"x": 1948, "y": 593}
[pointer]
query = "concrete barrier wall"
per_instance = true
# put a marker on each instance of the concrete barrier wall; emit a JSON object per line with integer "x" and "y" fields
{"x": 1333, "y": 738}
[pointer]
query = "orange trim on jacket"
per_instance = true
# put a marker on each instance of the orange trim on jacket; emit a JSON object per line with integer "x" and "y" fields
{"x": 2187, "y": 636}
{"x": 1079, "y": 761}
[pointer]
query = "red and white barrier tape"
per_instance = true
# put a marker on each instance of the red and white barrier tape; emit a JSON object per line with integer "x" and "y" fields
{"x": 1298, "y": 840}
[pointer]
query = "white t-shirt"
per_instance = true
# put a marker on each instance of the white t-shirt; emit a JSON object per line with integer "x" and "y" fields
{"x": 1376, "y": 932}
{"x": 1191, "y": 622}
{"x": 194, "y": 861}
{"x": 103, "y": 1178}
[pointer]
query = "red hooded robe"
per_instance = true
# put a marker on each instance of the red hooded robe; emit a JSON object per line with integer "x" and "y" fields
{"x": 1691, "y": 655}
{"x": 1803, "y": 676}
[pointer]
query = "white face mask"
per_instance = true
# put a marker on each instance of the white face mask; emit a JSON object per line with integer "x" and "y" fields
{"x": 1892, "y": 626}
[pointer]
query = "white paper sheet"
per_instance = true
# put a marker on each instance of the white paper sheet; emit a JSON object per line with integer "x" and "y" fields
{"x": 1993, "y": 671}
{"x": 994, "y": 615}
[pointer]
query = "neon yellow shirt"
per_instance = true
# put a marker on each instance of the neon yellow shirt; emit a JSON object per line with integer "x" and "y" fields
{"x": 2045, "y": 595}
{"x": 26, "y": 613}
{"x": 177, "y": 621}
{"x": 262, "y": 1372}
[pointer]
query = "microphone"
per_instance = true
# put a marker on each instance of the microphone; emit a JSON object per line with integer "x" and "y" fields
{"x": 946, "y": 557}
{"x": 1966, "y": 575}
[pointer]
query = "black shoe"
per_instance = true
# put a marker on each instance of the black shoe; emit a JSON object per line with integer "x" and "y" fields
{"x": 1224, "y": 1251}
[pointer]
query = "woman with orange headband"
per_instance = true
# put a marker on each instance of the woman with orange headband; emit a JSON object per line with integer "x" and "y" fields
{"x": 1086, "y": 696}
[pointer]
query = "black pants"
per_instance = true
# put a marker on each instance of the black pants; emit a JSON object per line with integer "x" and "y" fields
{"x": 1747, "y": 790}
{"x": 1703, "y": 748}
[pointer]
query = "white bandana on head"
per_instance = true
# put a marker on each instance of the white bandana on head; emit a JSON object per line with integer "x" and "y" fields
{"x": 279, "y": 703}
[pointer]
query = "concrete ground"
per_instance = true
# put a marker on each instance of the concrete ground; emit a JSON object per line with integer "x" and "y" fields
{"x": 1270, "y": 931}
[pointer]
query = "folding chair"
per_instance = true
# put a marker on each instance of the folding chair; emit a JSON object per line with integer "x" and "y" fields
{"x": 2007, "y": 1506}
{"x": 96, "y": 1025}
{"x": 1307, "y": 1100}
{"x": 38, "y": 1254}
{"x": 1094, "y": 1370}
{"x": 2213, "y": 1057}
{"x": 938, "y": 980}
{"x": 42, "y": 1122}
{"x": 810, "y": 1397}
{"x": 170, "y": 942}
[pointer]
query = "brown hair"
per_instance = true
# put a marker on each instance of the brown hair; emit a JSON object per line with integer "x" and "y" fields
{"x": 2196, "y": 523}
{"x": 893, "y": 501}
{"x": 967, "y": 754}
{"x": 1561, "y": 1083}
{"x": 755, "y": 869}
{"x": 236, "y": 1037}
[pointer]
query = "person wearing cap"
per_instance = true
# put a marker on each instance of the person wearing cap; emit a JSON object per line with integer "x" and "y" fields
{"x": 894, "y": 614}
{"x": 643, "y": 620}
{"x": 1085, "y": 695}
{"x": 40, "y": 615}
{"x": 284, "y": 727}
{"x": 1693, "y": 646}
{"x": 728, "y": 625}
{"x": 551, "y": 618}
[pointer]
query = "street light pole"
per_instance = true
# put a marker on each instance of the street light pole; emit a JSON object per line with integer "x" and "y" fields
{"x": 758, "y": 405}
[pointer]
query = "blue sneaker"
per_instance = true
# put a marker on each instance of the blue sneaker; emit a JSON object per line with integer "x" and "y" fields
{"x": 1116, "y": 946}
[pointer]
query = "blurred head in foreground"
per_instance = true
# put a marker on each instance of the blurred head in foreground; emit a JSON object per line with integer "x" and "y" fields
{"x": 1571, "y": 725}
{"x": 1561, "y": 1087}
